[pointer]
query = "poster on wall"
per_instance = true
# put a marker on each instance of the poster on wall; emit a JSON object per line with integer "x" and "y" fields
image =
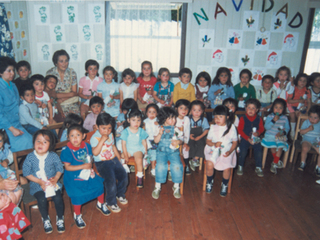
{"x": 23, "y": 35}
{"x": 205, "y": 68}
{"x": 257, "y": 75}
{"x": 44, "y": 51}
{"x": 262, "y": 40}
{"x": 85, "y": 32}
{"x": 219, "y": 57}
{"x": 246, "y": 58}
{"x": 250, "y": 20}
{"x": 21, "y": 15}
{"x": 234, "y": 75}
{"x": 57, "y": 33}
{"x": 70, "y": 13}
{"x": 278, "y": 22}
{"x": 274, "y": 58}
{"x": 234, "y": 40}
{"x": 206, "y": 37}
{"x": 73, "y": 50}
{"x": 290, "y": 41}
{"x": 41, "y": 14}
{"x": 97, "y": 50}
{"x": 96, "y": 13}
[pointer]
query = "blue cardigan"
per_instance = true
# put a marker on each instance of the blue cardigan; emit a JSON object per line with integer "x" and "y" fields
{"x": 228, "y": 93}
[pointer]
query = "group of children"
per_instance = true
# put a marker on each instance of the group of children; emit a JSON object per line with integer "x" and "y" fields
{"x": 174, "y": 123}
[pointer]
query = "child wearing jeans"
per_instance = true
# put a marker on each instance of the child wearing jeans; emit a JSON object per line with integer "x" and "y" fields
{"x": 250, "y": 128}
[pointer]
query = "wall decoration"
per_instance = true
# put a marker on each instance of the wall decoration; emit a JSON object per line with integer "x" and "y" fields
{"x": 25, "y": 53}
{"x": 206, "y": 37}
{"x": 274, "y": 58}
{"x": 9, "y": 14}
{"x": 85, "y": 32}
{"x": 23, "y": 35}
{"x": 218, "y": 6}
{"x": 70, "y": 13}
{"x": 234, "y": 38}
{"x": 250, "y": 20}
{"x": 284, "y": 10}
{"x": 269, "y": 8}
{"x": 5, "y": 43}
{"x": 96, "y": 13}
{"x": 42, "y": 14}
{"x": 219, "y": 57}
{"x": 234, "y": 75}
{"x": 204, "y": 68}
{"x": 21, "y": 15}
{"x": 262, "y": 40}
{"x": 246, "y": 58}
{"x": 239, "y": 5}
{"x": 73, "y": 50}
{"x": 97, "y": 50}
{"x": 44, "y": 52}
{"x": 57, "y": 33}
{"x": 196, "y": 15}
{"x": 257, "y": 75}
{"x": 278, "y": 22}
{"x": 290, "y": 41}
{"x": 298, "y": 14}
{"x": 16, "y": 25}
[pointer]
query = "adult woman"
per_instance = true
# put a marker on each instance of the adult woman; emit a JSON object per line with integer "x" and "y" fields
{"x": 66, "y": 88}
{"x": 19, "y": 138}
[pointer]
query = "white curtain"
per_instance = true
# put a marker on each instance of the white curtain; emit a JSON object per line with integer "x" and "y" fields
{"x": 142, "y": 31}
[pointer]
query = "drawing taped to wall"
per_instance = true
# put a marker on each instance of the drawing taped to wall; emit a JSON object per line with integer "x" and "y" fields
{"x": 274, "y": 58}
{"x": 85, "y": 32}
{"x": 262, "y": 40}
{"x": 278, "y": 22}
{"x": 98, "y": 50}
{"x": 73, "y": 50}
{"x": 70, "y": 13}
{"x": 219, "y": 57}
{"x": 234, "y": 75}
{"x": 257, "y": 75}
{"x": 41, "y": 14}
{"x": 246, "y": 58}
{"x": 250, "y": 20}
{"x": 206, "y": 38}
{"x": 96, "y": 13}
{"x": 290, "y": 41}
{"x": 234, "y": 38}
{"x": 44, "y": 52}
{"x": 57, "y": 33}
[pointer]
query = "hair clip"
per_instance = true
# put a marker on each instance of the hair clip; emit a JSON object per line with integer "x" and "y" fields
{"x": 128, "y": 113}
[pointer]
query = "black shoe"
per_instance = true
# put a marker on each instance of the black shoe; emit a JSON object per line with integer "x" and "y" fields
{"x": 104, "y": 209}
{"x": 223, "y": 190}
{"x": 79, "y": 221}
{"x": 188, "y": 172}
{"x": 60, "y": 225}
{"x": 209, "y": 187}
{"x": 302, "y": 166}
{"x": 140, "y": 182}
{"x": 47, "y": 226}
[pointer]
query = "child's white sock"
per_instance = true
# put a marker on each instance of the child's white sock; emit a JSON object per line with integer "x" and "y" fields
{"x": 176, "y": 185}
{"x": 99, "y": 204}
{"x": 153, "y": 171}
{"x": 139, "y": 174}
{"x": 292, "y": 130}
{"x": 158, "y": 185}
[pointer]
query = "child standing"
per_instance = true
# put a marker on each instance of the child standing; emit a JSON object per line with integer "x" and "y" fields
{"x": 23, "y": 69}
{"x": 199, "y": 129}
{"x": 232, "y": 105}
{"x": 96, "y": 105}
{"x": 80, "y": 181}
{"x": 163, "y": 89}
{"x": 184, "y": 89}
{"x": 277, "y": 127}
{"x": 250, "y": 128}
{"x": 88, "y": 85}
{"x": 133, "y": 141}
{"x": 107, "y": 160}
{"x": 147, "y": 80}
{"x": 129, "y": 85}
{"x": 43, "y": 168}
{"x": 151, "y": 126}
{"x": 221, "y": 87}
{"x": 220, "y": 151}
{"x": 315, "y": 88}
{"x": 283, "y": 85}
{"x": 310, "y": 131}
{"x": 109, "y": 91}
{"x": 244, "y": 90}
{"x": 266, "y": 94}
{"x": 71, "y": 119}
{"x": 167, "y": 150}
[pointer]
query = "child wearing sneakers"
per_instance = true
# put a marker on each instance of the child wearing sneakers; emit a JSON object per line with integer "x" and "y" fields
{"x": 250, "y": 128}
{"x": 107, "y": 160}
{"x": 310, "y": 131}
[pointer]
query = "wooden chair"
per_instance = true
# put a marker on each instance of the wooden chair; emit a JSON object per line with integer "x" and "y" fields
{"x": 132, "y": 162}
{"x": 285, "y": 156}
{"x": 56, "y": 126}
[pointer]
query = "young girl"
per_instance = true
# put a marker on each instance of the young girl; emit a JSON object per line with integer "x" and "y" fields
{"x": 315, "y": 88}
{"x": 277, "y": 127}
{"x": 220, "y": 149}
{"x": 199, "y": 128}
{"x": 96, "y": 106}
{"x": 310, "y": 131}
{"x": 147, "y": 80}
{"x": 232, "y": 105}
{"x": 283, "y": 83}
{"x": 299, "y": 101}
{"x": 71, "y": 119}
{"x": 244, "y": 90}
{"x": 88, "y": 85}
{"x": 107, "y": 160}
{"x": 6, "y": 159}
{"x": 183, "y": 122}
{"x": 109, "y": 91}
{"x": 151, "y": 126}
{"x": 134, "y": 142}
{"x": 163, "y": 89}
{"x": 203, "y": 82}
{"x": 43, "y": 168}
{"x": 129, "y": 85}
{"x": 81, "y": 183}
{"x": 221, "y": 88}
{"x": 167, "y": 150}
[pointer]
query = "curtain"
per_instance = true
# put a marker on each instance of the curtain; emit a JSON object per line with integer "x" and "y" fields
{"x": 5, "y": 44}
{"x": 143, "y": 31}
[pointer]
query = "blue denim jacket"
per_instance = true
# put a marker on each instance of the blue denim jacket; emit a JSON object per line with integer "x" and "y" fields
{"x": 165, "y": 141}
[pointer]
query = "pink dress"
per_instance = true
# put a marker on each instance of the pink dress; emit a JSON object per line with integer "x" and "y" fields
{"x": 215, "y": 135}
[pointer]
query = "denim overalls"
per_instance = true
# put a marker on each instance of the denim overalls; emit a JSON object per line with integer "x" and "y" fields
{"x": 165, "y": 154}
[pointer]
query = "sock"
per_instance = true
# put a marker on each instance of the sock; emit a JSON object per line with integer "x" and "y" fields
{"x": 210, "y": 178}
{"x": 100, "y": 199}
{"x": 276, "y": 159}
{"x": 153, "y": 171}
{"x": 158, "y": 185}
{"x": 292, "y": 130}
{"x": 140, "y": 174}
{"x": 273, "y": 155}
{"x": 176, "y": 185}
{"x": 225, "y": 181}
{"x": 77, "y": 209}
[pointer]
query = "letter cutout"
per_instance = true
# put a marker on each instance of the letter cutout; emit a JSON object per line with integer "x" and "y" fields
{"x": 237, "y": 7}
{"x": 222, "y": 10}
{"x": 294, "y": 18}
{"x": 268, "y": 9}
{"x": 285, "y": 12}
{"x": 196, "y": 15}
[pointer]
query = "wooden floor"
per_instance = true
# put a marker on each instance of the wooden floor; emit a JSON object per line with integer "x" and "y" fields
{"x": 282, "y": 206}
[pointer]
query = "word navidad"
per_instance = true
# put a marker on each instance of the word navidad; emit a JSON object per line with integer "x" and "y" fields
{"x": 297, "y": 17}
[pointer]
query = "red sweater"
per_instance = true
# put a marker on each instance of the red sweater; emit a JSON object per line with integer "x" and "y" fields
{"x": 260, "y": 130}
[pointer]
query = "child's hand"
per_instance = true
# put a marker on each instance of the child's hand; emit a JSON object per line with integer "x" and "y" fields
{"x": 4, "y": 163}
{"x": 162, "y": 102}
{"x": 156, "y": 123}
{"x": 240, "y": 98}
{"x": 50, "y": 120}
{"x": 276, "y": 118}
{"x": 15, "y": 131}
{"x": 43, "y": 105}
{"x": 278, "y": 135}
{"x": 227, "y": 154}
{"x": 53, "y": 181}
{"x": 104, "y": 138}
{"x": 218, "y": 144}
{"x": 175, "y": 143}
{"x": 256, "y": 134}
{"x": 192, "y": 137}
{"x": 126, "y": 159}
{"x": 311, "y": 128}
{"x": 186, "y": 147}
{"x": 217, "y": 92}
{"x": 43, "y": 185}
{"x": 251, "y": 141}
{"x": 87, "y": 166}
{"x": 95, "y": 127}
{"x": 111, "y": 96}
{"x": 197, "y": 138}
{"x": 161, "y": 130}
{"x": 143, "y": 102}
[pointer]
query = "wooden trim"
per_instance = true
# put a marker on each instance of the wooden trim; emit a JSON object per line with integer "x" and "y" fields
{"x": 183, "y": 34}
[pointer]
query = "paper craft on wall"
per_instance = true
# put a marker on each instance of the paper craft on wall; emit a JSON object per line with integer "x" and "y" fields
{"x": 262, "y": 40}
{"x": 204, "y": 68}
{"x": 73, "y": 50}
{"x": 274, "y": 58}
{"x": 16, "y": 25}
{"x": 57, "y": 33}
{"x": 25, "y": 53}
{"x": 96, "y": 13}
{"x": 97, "y": 51}
{"x": 9, "y": 14}
{"x": 290, "y": 41}
{"x": 219, "y": 57}
{"x": 23, "y": 35}
{"x": 21, "y": 15}
{"x": 246, "y": 58}
{"x": 18, "y": 44}
{"x": 42, "y": 14}
{"x": 234, "y": 38}
{"x": 85, "y": 32}
{"x": 234, "y": 75}
{"x": 278, "y": 22}
{"x": 257, "y": 75}
{"x": 250, "y": 20}
{"x": 70, "y": 13}
{"x": 206, "y": 38}
{"x": 44, "y": 52}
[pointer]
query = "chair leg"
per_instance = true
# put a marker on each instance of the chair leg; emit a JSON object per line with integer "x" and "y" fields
{"x": 292, "y": 152}
{"x": 285, "y": 157}
{"x": 200, "y": 167}
{"x": 295, "y": 159}
{"x": 230, "y": 181}
{"x": 135, "y": 172}
{"x": 28, "y": 214}
{"x": 71, "y": 207}
{"x": 204, "y": 178}
{"x": 264, "y": 156}
{"x": 182, "y": 184}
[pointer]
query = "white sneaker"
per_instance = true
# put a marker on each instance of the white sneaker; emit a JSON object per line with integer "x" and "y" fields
{"x": 122, "y": 200}
{"x": 114, "y": 208}
{"x": 176, "y": 192}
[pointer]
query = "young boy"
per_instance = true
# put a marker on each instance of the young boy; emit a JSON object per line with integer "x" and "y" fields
{"x": 315, "y": 88}
{"x": 250, "y": 127}
{"x": 107, "y": 161}
{"x": 184, "y": 89}
{"x": 96, "y": 105}
{"x": 244, "y": 90}
{"x": 23, "y": 69}
{"x": 266, "y": 94}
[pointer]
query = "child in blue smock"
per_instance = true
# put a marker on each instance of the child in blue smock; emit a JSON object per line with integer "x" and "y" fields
{"x": 70, "y": 119}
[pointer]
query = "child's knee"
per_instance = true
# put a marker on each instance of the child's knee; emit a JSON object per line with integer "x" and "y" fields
{"x": 209, "y": 165}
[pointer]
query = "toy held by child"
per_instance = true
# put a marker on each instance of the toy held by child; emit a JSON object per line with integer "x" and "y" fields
{"x": 163, "y": 89}
{"x": 184, "y": 89}
{"x": 96, "y": 106}
{"x": 129, "y": 85}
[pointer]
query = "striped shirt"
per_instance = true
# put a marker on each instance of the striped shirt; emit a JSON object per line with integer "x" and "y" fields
{"x": 273, "y": 128}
